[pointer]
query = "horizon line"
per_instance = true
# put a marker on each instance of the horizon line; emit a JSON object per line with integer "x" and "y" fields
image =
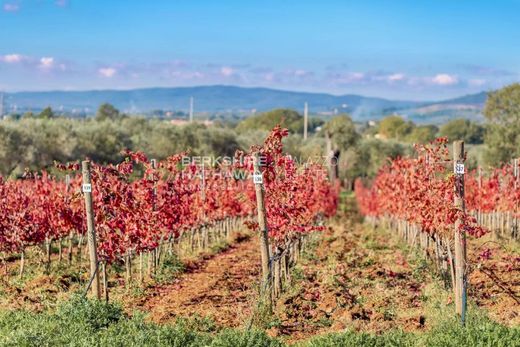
{"x": 230, "y": 86}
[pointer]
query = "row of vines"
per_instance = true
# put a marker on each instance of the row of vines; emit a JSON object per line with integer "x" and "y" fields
{"x": 141, "y": 206}
{"x": 434, "y": 203}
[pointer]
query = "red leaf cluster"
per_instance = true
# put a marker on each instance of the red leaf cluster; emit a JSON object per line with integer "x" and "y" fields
{"x": 419, "y": 190}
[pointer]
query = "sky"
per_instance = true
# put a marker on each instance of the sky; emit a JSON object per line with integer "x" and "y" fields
{"x": 408, "y": 50}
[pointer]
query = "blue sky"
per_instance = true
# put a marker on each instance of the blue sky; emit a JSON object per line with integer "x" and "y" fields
{"x": 394, "y": 49}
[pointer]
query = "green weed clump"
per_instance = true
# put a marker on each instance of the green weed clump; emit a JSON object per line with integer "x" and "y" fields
{"x": 478, "y": 331}
{"x": 83, "y": 322}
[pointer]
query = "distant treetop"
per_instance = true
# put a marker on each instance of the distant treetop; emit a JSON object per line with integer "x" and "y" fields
{"x": 107, "y": 111}
{"x": 289, "y": 119}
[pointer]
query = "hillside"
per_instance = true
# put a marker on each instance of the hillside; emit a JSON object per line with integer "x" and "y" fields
{"x": 232, "y": 99}
{"x": 467, "y": 106}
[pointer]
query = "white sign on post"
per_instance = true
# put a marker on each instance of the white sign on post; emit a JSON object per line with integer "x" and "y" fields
{"x": 86, "y": 188}
{"x": 257, "y": 178}
{"x": 459, "y": 168}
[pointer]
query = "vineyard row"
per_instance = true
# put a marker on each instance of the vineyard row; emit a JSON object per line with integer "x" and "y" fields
{"x": 142, "y": 207}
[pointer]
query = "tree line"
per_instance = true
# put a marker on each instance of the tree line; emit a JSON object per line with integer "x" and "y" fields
{"x": 35, "y": 141}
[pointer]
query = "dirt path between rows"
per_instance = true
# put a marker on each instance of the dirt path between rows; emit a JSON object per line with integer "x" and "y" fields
{"x": 222, "y": 287}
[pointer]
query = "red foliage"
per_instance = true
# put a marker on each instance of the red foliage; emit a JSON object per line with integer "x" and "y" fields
{"x": 419, "y": 190}
{"x": 295, "y": 197}
{"x": 134, "y": 213}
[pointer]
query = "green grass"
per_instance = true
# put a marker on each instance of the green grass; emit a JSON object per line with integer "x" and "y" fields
{"x": 81, "y": 322}
{"x": 479, "y": 331}
{"x": 170, "y": 268}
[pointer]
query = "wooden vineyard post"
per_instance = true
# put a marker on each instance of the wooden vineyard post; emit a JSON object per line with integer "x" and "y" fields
{"x": 262, "y": 224}
{"x": 205, "y": 231}
{"x": 71, "y": 234}
{"x": 516, "y": 172}
{"x": 22, "y": 262}
{"x": 141, "y": 268}
{"x": 105, "y": 280}
{"x": 91, "y": 232}
{"x": 156, "y": 251}
{"x": 128, "y": 267}
{"x": 460, "y": 234}
{"x": 479, "y": 211}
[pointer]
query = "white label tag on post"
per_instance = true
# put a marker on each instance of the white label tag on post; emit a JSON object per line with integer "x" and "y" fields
{"x": 86, "y": 188}
{"x": 459, "y": 168}
{"x": 258, "y": 179}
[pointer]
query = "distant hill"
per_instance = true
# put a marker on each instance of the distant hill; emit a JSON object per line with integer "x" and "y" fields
{"x": 476, "y": 99}
{"x": 231, "y": 99}
{"x": 468, "y": 106}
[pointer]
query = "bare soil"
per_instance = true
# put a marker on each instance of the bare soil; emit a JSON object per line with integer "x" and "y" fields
{"x": 223, "y": 287}
{"x": 351, "y": 277}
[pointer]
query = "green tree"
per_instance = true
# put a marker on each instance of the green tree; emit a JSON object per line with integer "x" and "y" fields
{"x": 107, "y": 111}
{"x": 341, "y": 135}
{"x": 289, "y": 119}
{"x": 101, "y": 141}
{"x": 46, "y": 113}
{"x": 371, "y": 154}
{"x": 395, "y": 127}
{"x": 502, "y": 111}
{"x": 463, "y": 129}
{"x": 218, "y": 142}
{"x": 13, "y": 147}
{"x": 422, "y": 134}
{"x": 342, "y": 132}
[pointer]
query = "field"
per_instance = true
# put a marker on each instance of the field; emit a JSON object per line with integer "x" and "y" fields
{"x": 249, "y": 174}
{"x": 354, "y": 285}
{"x": 157, "y": 253}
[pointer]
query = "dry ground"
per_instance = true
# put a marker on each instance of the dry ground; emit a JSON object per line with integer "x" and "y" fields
{"x": 350, "y": 277}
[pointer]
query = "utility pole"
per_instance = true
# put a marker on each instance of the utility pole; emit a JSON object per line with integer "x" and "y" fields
{"x": 305, "y": 120}
{"x": 191, "y": 109}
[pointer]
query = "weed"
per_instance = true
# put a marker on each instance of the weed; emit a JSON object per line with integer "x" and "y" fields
{"x": 170, "y": 267}
{"x": 219, "y": 247}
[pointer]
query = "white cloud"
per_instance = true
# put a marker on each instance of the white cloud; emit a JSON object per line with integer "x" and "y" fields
{"x": 300, "y": 73}
{"x": 357, "y": 76}
{"x": 477, "y": 82}
{"x": 107, "y": 72}
{"x": 11, "y": 7}
{"x": 269, "y": 76}
{"x": 187, "y": 75}
{"x": 349, "y": 77}
{"x": 46, "y": 63}
{"x": 396, "y": 77}
{"x": 444, "y": 79}
{"x": 226, "y": 71}
{"x": 11, "y": 58}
